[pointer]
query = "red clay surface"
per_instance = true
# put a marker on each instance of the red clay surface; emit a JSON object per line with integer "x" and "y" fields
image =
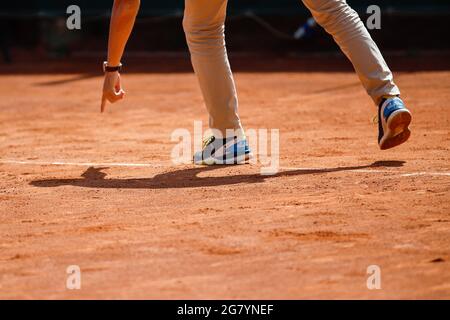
{"x": 223, "y": 232}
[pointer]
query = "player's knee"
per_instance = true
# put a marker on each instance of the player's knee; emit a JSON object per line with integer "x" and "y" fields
{"x": 203, "y": 33}
{"x": 332, "y": 15}
{"x": 201, "y": 28}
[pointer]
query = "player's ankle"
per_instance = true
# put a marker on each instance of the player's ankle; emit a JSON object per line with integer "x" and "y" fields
{"x": 390, "y": 96}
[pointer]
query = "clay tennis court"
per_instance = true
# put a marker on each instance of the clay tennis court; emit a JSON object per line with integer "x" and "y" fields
{"x": 99, "y": 190}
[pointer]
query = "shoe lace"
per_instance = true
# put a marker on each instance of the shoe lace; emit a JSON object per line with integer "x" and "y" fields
{"x": 207, "y": 141}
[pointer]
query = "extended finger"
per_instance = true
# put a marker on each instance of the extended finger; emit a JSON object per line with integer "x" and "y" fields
{"x": 103, "y": 105}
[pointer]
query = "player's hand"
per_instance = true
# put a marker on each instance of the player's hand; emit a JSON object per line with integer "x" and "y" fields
{"x": 112, "y": 89}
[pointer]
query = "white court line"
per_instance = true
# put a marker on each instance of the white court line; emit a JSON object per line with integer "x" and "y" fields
{"x": 331, "y": 170}
{"x": 416, "y": 174}
{"x": 83, "y": 164}
{"x": 407, "y": 174}
{"x": 167, "y": 164}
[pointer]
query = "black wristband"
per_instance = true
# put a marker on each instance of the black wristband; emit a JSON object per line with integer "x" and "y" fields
{"x": 107, "y": 68}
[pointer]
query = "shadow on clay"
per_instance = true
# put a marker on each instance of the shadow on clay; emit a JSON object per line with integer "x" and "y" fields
{"x": 187, "y": 178}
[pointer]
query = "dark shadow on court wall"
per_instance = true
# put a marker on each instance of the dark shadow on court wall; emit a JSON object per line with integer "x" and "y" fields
{"x": 407, "y": 25}
{"x": 413, "y": 38}
{"x": 79, "y": 69}
{"x": 153, "y": 7}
